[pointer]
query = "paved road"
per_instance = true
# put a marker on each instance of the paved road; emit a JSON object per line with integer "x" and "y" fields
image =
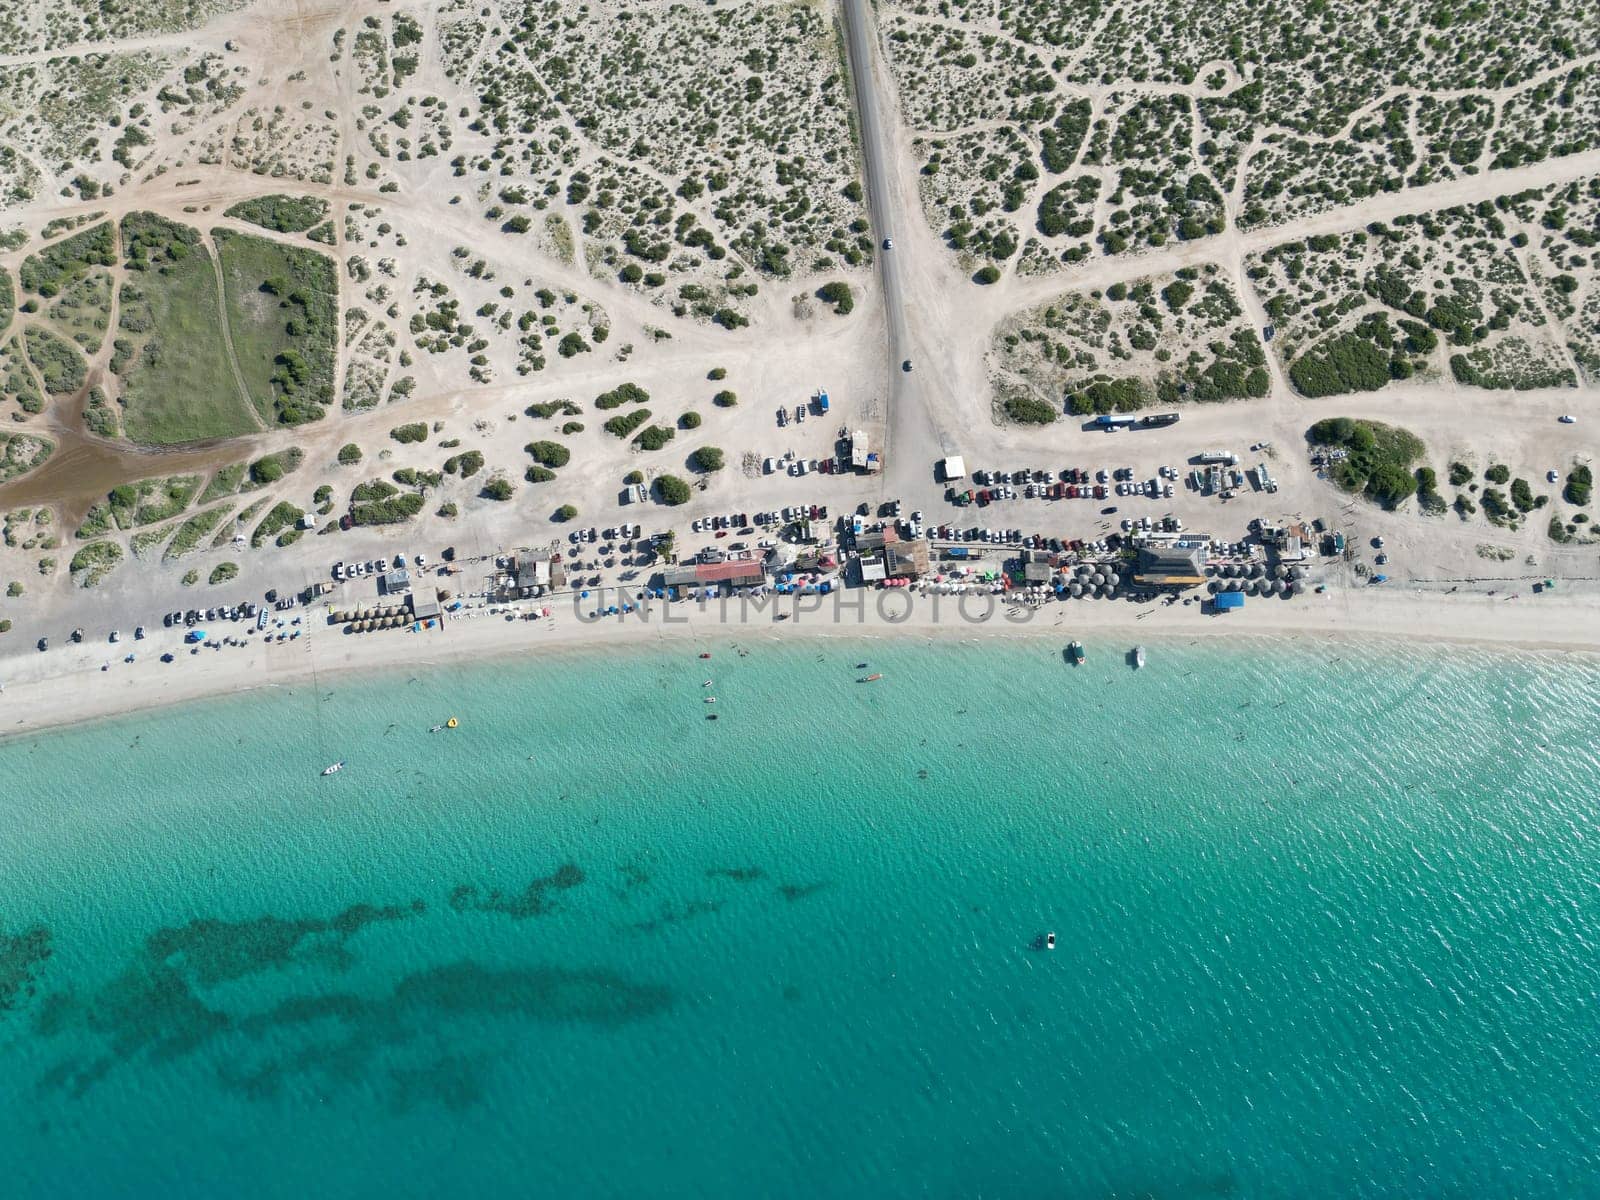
{"x": 911, "y": 441}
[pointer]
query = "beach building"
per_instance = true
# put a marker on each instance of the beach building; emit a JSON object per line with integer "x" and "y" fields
{"x": 906, "y": 559}
{"x": 871, "y": 541}
{"x": 735, "y": 572}
{"x": 1037, "y": 566}
{"x": 872, "y": 570}
{"x": 861, "y": 456}
{"x": 1174, "y": 565}
{"x": 425, "y": 607}
{"x": 395, "y": 582}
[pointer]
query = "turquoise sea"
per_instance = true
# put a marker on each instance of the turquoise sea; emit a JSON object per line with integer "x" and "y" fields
{"x": 1328, "y": 924}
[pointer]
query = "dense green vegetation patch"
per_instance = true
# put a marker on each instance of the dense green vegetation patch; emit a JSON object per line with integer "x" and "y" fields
{"x": 60, "y": 366}
{"x": 178, "y": 382}
{"x": 282, "y": 304}
{"x": 50, "y": 270}
{"x": 1377, "y": 457}
{"x": 284, "y": 214}
{"x": 21, "y": 453}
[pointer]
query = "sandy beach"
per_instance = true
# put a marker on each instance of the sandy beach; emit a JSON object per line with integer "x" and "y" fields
{"x": 69, "y": 685}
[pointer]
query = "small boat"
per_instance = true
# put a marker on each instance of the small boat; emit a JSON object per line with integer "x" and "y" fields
{"x": 1138, "y": 658}
{"x": 1075, "y": 654}
{"x": 436, "y": 729}
{"x": 711, "y": 716}
{"x": 873, "y": 678}
{"x": 333, "y": 768}
{"x": 707, "y": 683}
{"x": 705, "y": 656}
{"x": 711, "y": 699}
{"x": 452, "y": 723}
{"x": 861, "y": 666}
{"x": 1050, "y": 941}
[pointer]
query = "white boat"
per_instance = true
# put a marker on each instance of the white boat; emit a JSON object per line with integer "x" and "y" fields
{"x": 333, "y": 768}
{"x": 707, "y": 683}
{"x": 711, "y": 699}
{"x": 1138, "y": 658}
{"x": 1050, "y": 941}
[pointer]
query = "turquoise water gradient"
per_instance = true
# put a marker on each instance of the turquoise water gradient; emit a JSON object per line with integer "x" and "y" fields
{"x": 1328, "y": 924}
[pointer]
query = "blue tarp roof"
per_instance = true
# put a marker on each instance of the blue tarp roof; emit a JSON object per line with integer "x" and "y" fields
{"x": 1227, "y": 600}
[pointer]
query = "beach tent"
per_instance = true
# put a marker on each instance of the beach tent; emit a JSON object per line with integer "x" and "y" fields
{"x": 1228, "y": 601}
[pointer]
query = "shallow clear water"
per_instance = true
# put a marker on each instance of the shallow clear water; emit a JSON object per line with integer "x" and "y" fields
{"x": 1326, "y": 919}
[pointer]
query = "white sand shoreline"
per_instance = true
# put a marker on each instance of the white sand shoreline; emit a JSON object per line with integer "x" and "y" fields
{"x": 66, "y": 686}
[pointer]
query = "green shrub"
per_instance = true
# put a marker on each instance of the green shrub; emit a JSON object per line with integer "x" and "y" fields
{"x": 223, "y": 572}
{"x": 1029, "y": 411}
{"x": 624, "y": 424}
{"x": 838, "y": 294}
{"x": 498, "y": 488}
{"x": 1460, "y": 473}
{"x": 1496, "y": 507}
{"x": 549, "y": 454}
{"x": 416, "y": 431}
{"x": 565, "y": 513}
{"x": 1106, "y": 395}
{"x": 1498, "y": 473}
{"x": 1580, "y": 482}
{"x": 466, "y": 464}
{"x": 653, "y": 437}
{"x": 624, "y": 393}
{"x": 349, "y": 453}
{"x": 266, "y": 470}
{"x": 672, "y": 490}
{"x": 987, "y": 275}
{"x": 725, "y": 399}
{"x": 392, "y": 511}
{"x": 633, "y": 477}
{"x": 707, "y": 458}
{"x": 717, "y": 373}
{"x": 689, "y": 420}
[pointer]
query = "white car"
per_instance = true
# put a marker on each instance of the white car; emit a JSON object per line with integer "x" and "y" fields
{"x": 420, "y": 561}
{"x": 1551, "y": 476}
{"x": 338, "y": 571}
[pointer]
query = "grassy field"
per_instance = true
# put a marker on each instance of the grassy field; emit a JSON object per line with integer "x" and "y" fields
{"x": 179, "y": 384}
{"x": 282, "y": 306}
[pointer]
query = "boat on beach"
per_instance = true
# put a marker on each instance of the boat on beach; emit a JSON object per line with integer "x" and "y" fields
{"x": 333, "y": 768}
{"x": 1075, "y": 654}
{"x": 1137, "y": 655}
